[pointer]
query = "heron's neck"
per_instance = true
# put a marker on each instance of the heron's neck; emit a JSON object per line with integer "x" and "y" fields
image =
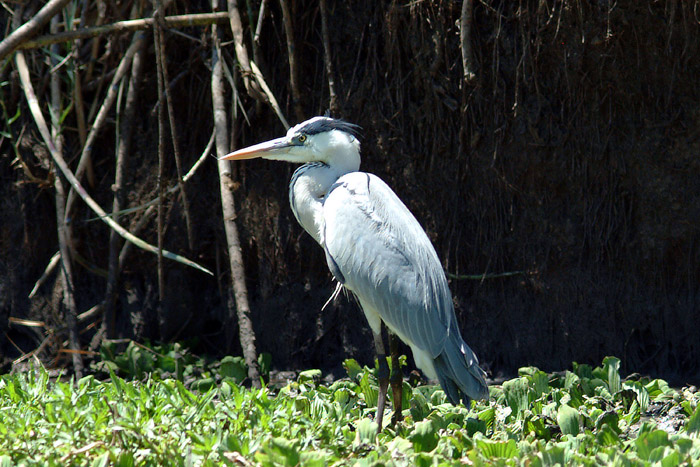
{"x": 309, "y": 187}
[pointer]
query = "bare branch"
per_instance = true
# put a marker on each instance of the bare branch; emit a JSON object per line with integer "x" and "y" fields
{"x": 61, "y": 163}
{"x": 176, "y": 21}
{"x": 465, "y": 33}
{"x": 31, "y": 27}
{"x": 240, "y": 291}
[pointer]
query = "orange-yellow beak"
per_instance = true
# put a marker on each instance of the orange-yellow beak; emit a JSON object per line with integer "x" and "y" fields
{"x": 270, "y": 148}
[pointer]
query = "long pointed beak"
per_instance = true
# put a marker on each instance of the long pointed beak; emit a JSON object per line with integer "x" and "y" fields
{"x": 268, "y": 148}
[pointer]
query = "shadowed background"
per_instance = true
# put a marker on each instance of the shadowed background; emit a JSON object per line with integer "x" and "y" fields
{"x": 572, "y": 160}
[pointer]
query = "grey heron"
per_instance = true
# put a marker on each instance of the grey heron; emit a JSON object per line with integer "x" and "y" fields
{"x": 378, "y": 251}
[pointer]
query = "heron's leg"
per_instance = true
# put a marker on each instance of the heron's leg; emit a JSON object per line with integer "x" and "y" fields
{"x": 383, "y": 376}
{"x": 396, "y": 378}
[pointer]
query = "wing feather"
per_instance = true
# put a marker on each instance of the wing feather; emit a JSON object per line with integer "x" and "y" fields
{"x": 387, "y": 260}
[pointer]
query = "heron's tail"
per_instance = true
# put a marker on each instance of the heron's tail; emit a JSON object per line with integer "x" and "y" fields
{"x": 458, "y": 372}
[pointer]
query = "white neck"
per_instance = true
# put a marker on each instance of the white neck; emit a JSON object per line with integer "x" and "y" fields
{"x": 310, "y": 184}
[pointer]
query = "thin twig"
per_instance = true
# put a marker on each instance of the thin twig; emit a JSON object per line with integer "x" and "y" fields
{"x": 291, "y": 54}
{"x": 158, "y": 17}
{"x": 258, "y": 30}
{"x": 53, "y": 262}
{"x": 480, "y": 277}
{"x": 465, "y": 33}
{"x": 270, "y": 97}
{"x": 101, "y": 117}
{"x": 64, "y": 233}
{"x": 240, "y": 292}
{"x": 333, "y": 98}
{"x": 175, "y": 140}
{"x": 177, "y": 21}
{"x": 251, "y": 86}
{"x": 124, "y": 149}
{"x": 61, "y": 163}
{"x": 152, "y": 204}
{"x": 31, "y": 27}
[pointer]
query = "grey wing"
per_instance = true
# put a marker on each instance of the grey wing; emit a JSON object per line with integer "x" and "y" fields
{"x": 387, "y": 260}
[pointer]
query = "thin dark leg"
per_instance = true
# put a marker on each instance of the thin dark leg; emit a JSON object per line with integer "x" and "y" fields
{"x": 383, "y": 377}
{"x": 396, "y": 379}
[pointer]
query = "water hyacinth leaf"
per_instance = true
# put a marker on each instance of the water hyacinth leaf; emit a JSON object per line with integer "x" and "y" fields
{"x": 648, "y": 442}
{"x": 671, "y": 460}
{"x": 370, "y": 390}
{"x": 568, "y": 420}
{"x": 365, "y": 432}
{"x": 641, "y": 394}
{"x": 233, "y": 367}
{"x": 352, "y": 368}
{"x": 311, "y": 376}
{"x": 612, "y": 366}
{"x": 540, "y": 384}
{"x": 692, "y": 426}
{"x": 424, "y": 436}
{"x": 607, "y": 436}
{"x": 419, "y": 406}
{"x": 610, "y": 418}
{"x": 516, "y": 392}
{"x": 279, "y": 451}
{"x": 497, "y": 449}
{"x": 264, "y": 363}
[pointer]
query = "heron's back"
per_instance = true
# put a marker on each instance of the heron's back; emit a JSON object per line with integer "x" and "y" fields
{"x": 386, "y": 259}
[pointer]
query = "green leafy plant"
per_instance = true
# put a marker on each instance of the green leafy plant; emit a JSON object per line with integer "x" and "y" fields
{"x": 157, "y": 405}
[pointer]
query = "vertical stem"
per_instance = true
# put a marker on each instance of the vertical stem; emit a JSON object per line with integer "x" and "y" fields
{"x": 465, "y": 32}
{"x": 173, "y": 135}
{"x": 158, "y": 14}
{"x": 293, "y": 73}
{"x": 70, "y": 306}
{"x": 245, "y": 325}
{"x": 126, "y": 130}
{"x": 333, "y": 98}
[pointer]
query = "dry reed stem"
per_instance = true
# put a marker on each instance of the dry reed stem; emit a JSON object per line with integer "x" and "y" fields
{"x": 53, "y": 262}
{"x": 123, "y": 152}
{"x": 240, "y": 291}
{"x": 333, "y": 98}
{"x": 465, "y": 35}
{"x": 249, "y": 82}
{"x": 101, "y": 117}
{"x": 175, "y": 140}
{"x": 268, "y": 92}
{"x": 258, "y": 30}
{"x": 61, "y": 163}
{"x": 22, "y": 34}
{"x": 64, "y": 232}
{"x": 291, "y": 54}
{"x": 151, "y": 205}
{"x": 158, "y": 24}
{"x": 175, "y": 21}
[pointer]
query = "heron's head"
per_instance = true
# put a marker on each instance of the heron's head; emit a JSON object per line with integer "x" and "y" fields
{"x": 320, "y": 139}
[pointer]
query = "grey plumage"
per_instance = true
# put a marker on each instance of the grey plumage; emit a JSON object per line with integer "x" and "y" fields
{"x": 376, "y": 249}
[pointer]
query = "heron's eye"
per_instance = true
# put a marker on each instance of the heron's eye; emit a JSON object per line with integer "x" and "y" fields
{"x": 301, "y": 138}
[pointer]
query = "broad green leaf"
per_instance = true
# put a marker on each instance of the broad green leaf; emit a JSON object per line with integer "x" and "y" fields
{"x": 648, "y": 442}
{"x": 612, "y": 365}
{"x": 424, "y": 436}
{"x": 497, "y": 449}
{"x": 365, "y": 431}
{"x": 353, "y": 368}
{"x": 233, "y": 367}
{"x": 692, "y": 426}
{"x": 516, "y": 392}
{"x": 568, "y": 420}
